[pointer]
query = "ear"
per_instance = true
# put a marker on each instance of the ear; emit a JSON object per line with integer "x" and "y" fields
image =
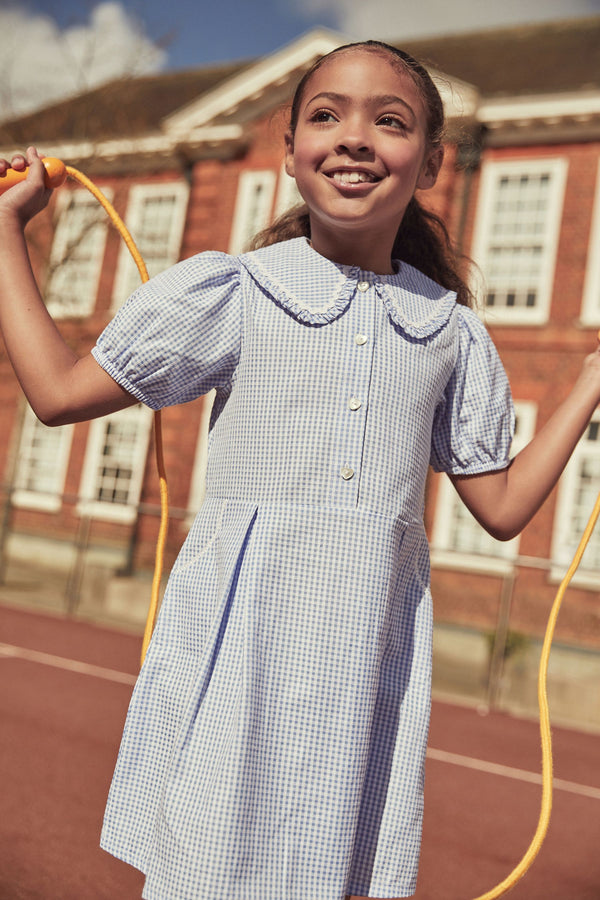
{"x": 289, "y": 154}
{"x": 431, "y": 168}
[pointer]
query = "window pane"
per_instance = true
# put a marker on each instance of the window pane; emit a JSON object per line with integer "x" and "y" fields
{"x": 514, "y": 261}
{"x": 579, "y": 490}
{"x": 42, "y": 462}
{"x": 516, "y": 236}
{"x": 114, "y": 464}
{"x": 155, "y": 217}
{"x": 116, "y": 469}
{"x": 76, "y": 256}
{"x": 253, "y": 207}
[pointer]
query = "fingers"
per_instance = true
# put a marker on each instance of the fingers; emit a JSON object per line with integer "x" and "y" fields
{"x": 20, "y": 161}
{"x": 33, "y": 161}
{"x": 32, "y": 157}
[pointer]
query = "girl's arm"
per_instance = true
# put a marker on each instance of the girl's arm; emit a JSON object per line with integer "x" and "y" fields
{"x": 504, "y": 502}
{"x": 60, "y": 386}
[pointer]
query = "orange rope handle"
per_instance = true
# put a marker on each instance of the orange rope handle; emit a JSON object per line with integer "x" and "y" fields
{"x": 164, "y": 492}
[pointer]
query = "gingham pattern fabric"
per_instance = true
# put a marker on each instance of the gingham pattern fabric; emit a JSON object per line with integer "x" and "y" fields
{"x": 275, "y": 743}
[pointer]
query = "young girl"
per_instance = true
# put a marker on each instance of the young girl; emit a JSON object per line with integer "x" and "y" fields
{"x": 275, "y": 744}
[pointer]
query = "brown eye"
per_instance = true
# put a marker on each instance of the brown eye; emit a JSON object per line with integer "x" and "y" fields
{"x": 323, "y": 115}
{"x": 389, "y": 121}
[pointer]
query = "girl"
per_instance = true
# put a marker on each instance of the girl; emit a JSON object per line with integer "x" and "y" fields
{"x": 275, "y": 743}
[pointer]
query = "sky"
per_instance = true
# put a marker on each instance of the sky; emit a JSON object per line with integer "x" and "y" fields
{"x": 52, "y": 48}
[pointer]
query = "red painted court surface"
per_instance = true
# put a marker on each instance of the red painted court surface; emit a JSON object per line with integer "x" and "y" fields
{"x": 64, "y": 691}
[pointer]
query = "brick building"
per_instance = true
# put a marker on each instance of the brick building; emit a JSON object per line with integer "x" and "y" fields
{"x": 193, "y": 161}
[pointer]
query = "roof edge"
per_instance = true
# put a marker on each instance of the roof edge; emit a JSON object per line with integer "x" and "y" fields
{"x": 253, "y": 81}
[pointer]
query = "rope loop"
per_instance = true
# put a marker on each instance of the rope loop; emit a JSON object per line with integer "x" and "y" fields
{"x": 119, "y": 224}
{"x": 546, "y": 737}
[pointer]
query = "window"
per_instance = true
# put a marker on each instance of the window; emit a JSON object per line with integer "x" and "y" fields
{"x": 77, "y": 254}
{"x": 458, "y": 539}
{"x": 590, "y": 313}
{"x": 155, "y": 218}
{"x": 253, "y": 207}
{"x": 114, "y": 463}
{"x": 518, "y": 225}
{"x": 42, "y": 464}
{"x": 579, "y": 488}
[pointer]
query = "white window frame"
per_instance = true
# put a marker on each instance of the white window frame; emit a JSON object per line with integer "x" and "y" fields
{"x": 65, "y": 243}
{"x": 127, "y": 278}
{"x": 288, "y": 194}
{"x": 564, "y": 542}
{"x": 198, "y": 480}
{"x": 89, "y": 504}
{"x": 253, "y": 207}
{"x": 590, "y": 309}
{"x": 492, "y": 172}
{"x": 48, "y": 495}
{"x": 499, "y": 556}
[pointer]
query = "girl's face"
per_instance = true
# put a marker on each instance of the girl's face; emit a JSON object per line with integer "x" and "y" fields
{"x": 358, "y": 154}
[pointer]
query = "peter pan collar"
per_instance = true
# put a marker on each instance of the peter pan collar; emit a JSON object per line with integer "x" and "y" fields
{"x": 316, "y": 291}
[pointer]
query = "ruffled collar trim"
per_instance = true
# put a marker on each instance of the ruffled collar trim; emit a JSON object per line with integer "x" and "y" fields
{"x": 287, "y": 270}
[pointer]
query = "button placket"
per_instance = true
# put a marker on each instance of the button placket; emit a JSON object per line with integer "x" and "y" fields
{"x": 357, "y": 378}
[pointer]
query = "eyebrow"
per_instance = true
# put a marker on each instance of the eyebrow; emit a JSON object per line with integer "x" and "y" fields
{"x": 381, "y": 100}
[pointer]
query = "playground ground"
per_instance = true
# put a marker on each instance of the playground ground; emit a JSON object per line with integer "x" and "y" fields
{"x": 64, "y": 691}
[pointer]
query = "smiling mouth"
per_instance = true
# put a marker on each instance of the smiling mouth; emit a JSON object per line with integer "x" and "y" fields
{"x": 345, "y": 177}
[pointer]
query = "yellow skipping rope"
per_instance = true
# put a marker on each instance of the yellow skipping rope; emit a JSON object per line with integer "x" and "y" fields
{"x": 160, "y": 463}
{"x": 56, "y": 175}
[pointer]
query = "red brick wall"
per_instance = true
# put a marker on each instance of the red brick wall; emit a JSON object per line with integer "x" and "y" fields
{"x": 542, "y": 362}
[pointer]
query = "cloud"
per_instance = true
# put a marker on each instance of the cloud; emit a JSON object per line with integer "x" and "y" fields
{"x": 40, "y": 63}
{"x": 397, "y": 20}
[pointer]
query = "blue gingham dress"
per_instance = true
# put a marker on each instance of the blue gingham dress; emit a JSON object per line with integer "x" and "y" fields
{"x": 275, "y": 742}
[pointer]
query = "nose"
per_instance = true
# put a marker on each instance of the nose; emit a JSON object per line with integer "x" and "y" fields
{"x": 354, "y": 136}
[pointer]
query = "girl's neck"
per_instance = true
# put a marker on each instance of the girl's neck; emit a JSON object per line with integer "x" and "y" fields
{"x": 368, "y": 255}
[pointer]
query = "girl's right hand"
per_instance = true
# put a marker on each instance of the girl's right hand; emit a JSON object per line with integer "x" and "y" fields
{"x": 30, "y": 196}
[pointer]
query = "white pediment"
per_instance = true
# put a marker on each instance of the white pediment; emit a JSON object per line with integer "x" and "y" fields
{"x": 248, "y": 85}
{"x": 284, "y": 67}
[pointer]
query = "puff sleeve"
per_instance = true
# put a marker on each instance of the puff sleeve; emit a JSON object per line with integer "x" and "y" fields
{"x": 178, "y": 335}
{"x": 474, "y": 423}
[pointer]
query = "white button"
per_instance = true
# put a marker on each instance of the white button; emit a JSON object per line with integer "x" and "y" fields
{"x": 361, "y": 339}
{"x": 354, "y": 403}
{"x": 347, "y": 473}
{"x": 363, "y": 285}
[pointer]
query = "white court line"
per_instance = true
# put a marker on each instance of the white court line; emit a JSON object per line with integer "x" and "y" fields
{"x": 455, "y": 759}
{"x": 71, "y": 665}
{"x": 467, "y": 762}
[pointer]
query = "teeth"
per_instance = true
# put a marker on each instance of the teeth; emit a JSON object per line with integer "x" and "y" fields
{"x": 352, "y": 177}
